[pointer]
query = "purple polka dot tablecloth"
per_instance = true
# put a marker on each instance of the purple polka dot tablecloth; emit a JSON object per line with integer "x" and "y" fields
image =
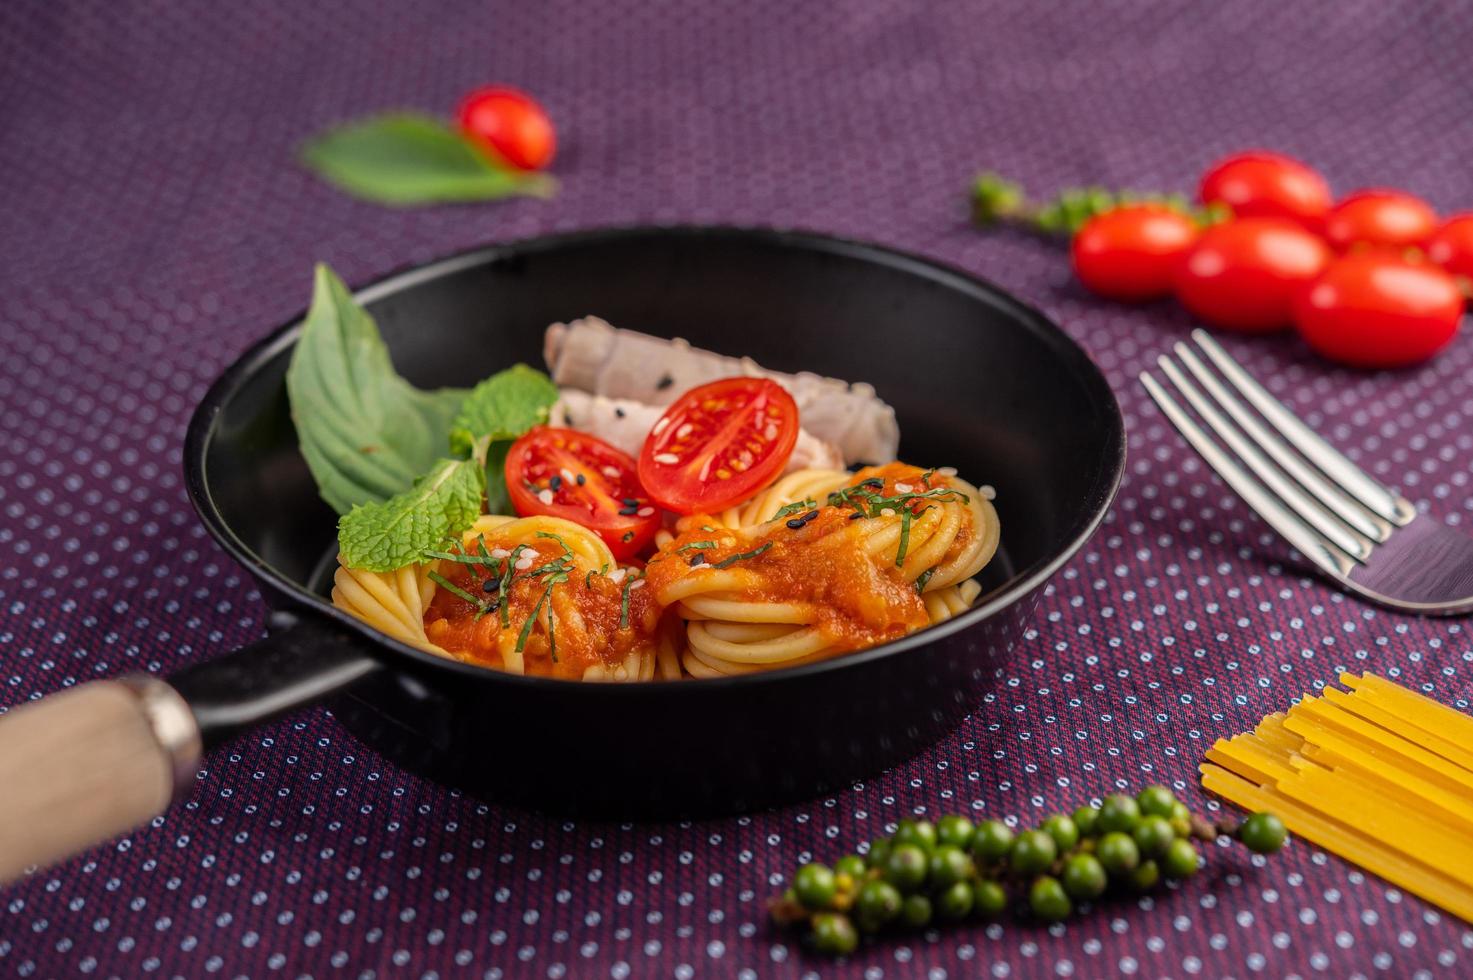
{"x": 155, "y": 223}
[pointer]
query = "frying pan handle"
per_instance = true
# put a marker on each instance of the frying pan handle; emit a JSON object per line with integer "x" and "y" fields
{"x": 95, "y": 761}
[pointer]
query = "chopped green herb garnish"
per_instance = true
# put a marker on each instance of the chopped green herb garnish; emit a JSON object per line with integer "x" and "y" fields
{"x": 905, "y": 518}
{"x": 624, "y": 602}
{"x": 526, "y": 632}
{"x": 588, "y": 579}
{"x": 733, "y": 559}
{"x": 923, "y": 579}
{"x": 796, "y": 507}
{"x": 694, "y": 545}
{"x": 461, "y": 558}
{"x": 872, "y": 504}
{"x": 508, "y": 576}
{"x": 558, "y": 539}
{"x": 455, "y": 590}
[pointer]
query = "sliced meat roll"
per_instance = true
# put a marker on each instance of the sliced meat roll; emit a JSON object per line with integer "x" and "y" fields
{"x": 624, "y": 424}
{"x": 592, "y": 356}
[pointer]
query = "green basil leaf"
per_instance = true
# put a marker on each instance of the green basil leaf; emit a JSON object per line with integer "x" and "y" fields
{"x": 365, "y": 432}
{"x": 498, "y": 501}
{"x": 406, "y": 158}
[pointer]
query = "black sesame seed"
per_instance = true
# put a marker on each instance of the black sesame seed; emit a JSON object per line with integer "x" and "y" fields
{"x": 856, "y": 515}
{"x": 812, "y": 515}
{"x": 796, "y": 523}
{"x": 697, "y": 559}
{"x": 628, "y": 511}
{"x": 491, "y": 584}
{"x": 581, "y": 479}
{"x": 619, "y": 412}
{"x": 555, "y": 483}
{"x": 630, "y": 501}
{"x": 664, "y": 382}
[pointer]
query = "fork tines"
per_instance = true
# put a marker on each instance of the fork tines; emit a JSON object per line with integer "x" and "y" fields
{"x": 1316, "y": 498}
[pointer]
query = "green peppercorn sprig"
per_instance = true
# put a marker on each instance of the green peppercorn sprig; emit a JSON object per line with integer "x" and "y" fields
{"x": 999, "y": 201}
{"x": 953, "y": 870}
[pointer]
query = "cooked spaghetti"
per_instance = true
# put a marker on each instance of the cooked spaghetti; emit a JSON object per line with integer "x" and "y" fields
{"x": 722, "y": 551}
{"x": 814, "y": 580}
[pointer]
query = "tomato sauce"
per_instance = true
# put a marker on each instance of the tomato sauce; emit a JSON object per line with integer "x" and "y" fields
{"x": 586, "y": 611}
{"x": 858, "y": 600}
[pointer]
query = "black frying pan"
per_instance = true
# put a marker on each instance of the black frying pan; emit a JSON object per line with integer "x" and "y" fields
{"x": 979, "y": 381}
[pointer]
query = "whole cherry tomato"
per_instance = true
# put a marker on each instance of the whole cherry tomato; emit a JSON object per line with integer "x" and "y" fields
{"x": 1451, "y": 246}
{"x": 1380, "y": 217}
{"x": 1378, "y": 309}
{"x": 1260, "y": 184}
{"x": 1131, "y": 253}
{"x": 1243, "y": 274}
{"x": 510, "y": 124}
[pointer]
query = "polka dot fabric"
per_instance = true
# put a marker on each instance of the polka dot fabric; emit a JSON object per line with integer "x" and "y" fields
{"x": 156, "y": 224}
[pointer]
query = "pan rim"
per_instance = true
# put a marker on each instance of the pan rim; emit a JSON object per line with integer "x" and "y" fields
{"x": 1103, "y": 483}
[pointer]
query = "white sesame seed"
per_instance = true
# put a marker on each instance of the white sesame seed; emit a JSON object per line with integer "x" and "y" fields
{"x": 660, "y": 426}
{"x": 645, "y": 511}
{"x": 611, "y": 472}
{"x": 668, "y": 459}
{"x": 567, "y": 474}
{"x": 545, "y": 496}
{"x": 887, "y": 512}
{"x": 524, "y": 562}
{"x": 617, "y": 575}
{"x": 986, "y": 491}
{"x": 500, "y": 553}
{"x": 946, "y": 470}
{"x": 903, "y": 488}
{"x": 639, "y": 584}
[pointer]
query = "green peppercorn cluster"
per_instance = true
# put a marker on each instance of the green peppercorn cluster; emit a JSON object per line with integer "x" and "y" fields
{"x": 995, "y": 200}
{"x": 953, "y": 870}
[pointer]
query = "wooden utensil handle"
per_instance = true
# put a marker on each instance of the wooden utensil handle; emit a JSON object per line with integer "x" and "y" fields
{"x": 88, "y": 764}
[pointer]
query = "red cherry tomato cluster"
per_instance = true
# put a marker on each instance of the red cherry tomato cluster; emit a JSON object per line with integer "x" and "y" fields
{"x": 1373, "y": 280}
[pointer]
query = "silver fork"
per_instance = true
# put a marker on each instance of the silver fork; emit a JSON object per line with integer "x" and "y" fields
{"x": 1369, "y": 539}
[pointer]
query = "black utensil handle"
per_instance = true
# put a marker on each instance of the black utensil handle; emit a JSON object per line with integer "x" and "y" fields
{"x": 301, "y": 663}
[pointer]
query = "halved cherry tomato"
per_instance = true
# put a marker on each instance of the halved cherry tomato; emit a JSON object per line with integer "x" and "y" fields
{"x": 511, "y": 124}
{"x": 1244, "y": 274}
{"x": 1130, "y": 253}
{"x": 1380, "y": 217}
{"x": 1451, "y": 246}
{"x": 718, "y": 444}
{"x": 1378, "y": 309}
{"x": 1259, "y": 184}
{"x": 570, "y": 474}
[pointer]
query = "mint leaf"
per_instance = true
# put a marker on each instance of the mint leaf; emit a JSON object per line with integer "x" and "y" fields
{"x": 495, "y": 413}
{"x": 365, "y": 432}
{"x": 408, "y": 158}
{"x": 397, "y": 532}
{"x": 503, "y": 406}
